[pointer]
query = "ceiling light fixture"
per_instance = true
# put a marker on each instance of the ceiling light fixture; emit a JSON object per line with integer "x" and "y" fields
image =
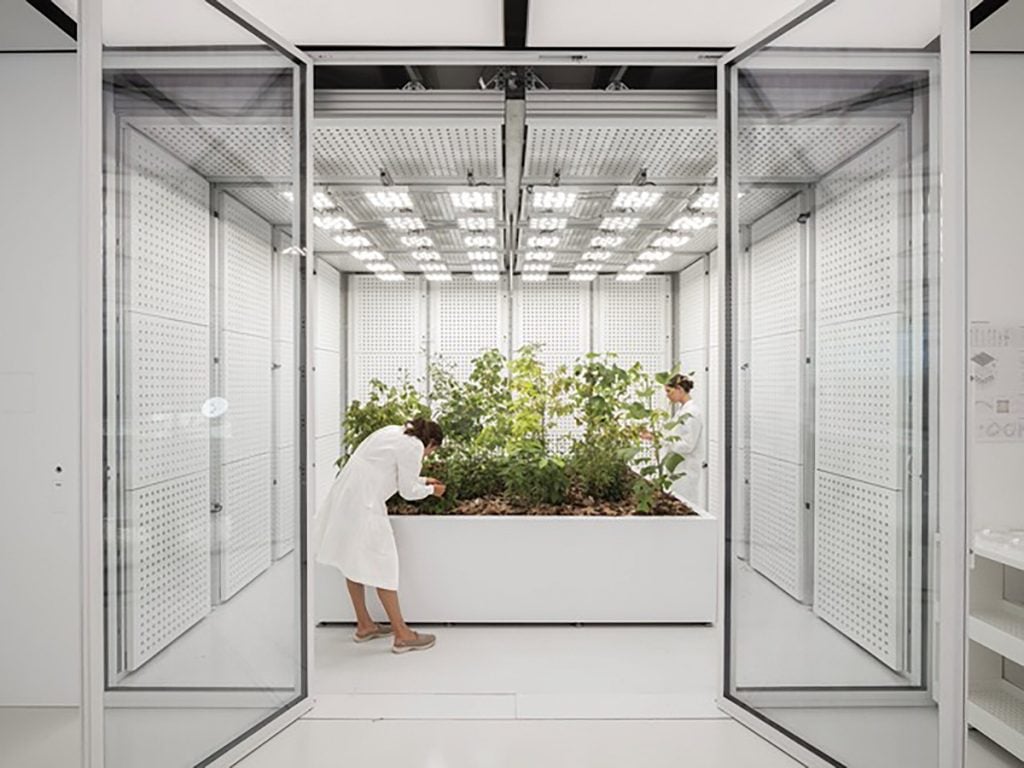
{"x": 352, "y": 241}
{"x": 607, "y": 241}
{"x": 417, "y": 241}
{"x": 433, "y": 266}
{"x": 588, "y": 266}
{"x": 619, "y": 223}
{"x": 477, "y": 223}
{"x": 405, "y": 223}
{"x": 390, "y": 277}
{"x": 368, "y": 255}
{"x": 480, "y": 241}
{"x": 552, "y": 199}
{"x": 535, "y": 277}
{"x": 691, "y": 223}
{"x": 482, "y": 255}
{"x": 629, "y": 277}
{"x": 582, "y": 276}
{"x": 543, "y": 241}
{"x": 332, "y": 222}
{"x": 536, "y": 267}
{"x": 596, "y": 255}
{"x": 540, "y": 256}
{"x": 641, "y": 266}
{"x": 473, "y": 199}
{"x": 654, "y": 255}
{"x": 486, "y": 277}
{"x": 671, "y": 241}
{"x": 426, "y": 255}
{"x": 635, "y": 198}
{"x": 439, "y": 277}
{"x": 380, "y": 266}
{"x": 390, "y": 199}
{"x": 547, "y": 223}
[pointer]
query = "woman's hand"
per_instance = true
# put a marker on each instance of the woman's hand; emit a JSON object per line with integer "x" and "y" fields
{"x": 439, "y": 488}
{"x": 431, "y": 481}
{"x": 646, "y": 436}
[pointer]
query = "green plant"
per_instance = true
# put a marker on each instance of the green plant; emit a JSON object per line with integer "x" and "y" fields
{"x": 656, "y": 466}
{"x": 533, "y": 475}
{"x": 469, "y": 472}
{"x": 475, "y": 410}
{"x": 386, "y": 405}
{"x": 600, "y": 470}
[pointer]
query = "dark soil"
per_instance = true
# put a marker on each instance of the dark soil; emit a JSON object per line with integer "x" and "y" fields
{"x": 576, "y": 505}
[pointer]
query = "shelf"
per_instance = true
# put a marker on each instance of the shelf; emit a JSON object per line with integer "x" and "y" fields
{"x": 997, "y": 710}
{"x": 998, "y": 551}
{"x": 999, "y": 627}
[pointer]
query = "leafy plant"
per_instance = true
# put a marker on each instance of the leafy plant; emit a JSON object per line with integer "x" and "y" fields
{"x": 535, "y": 476}
{"x": 386, "y": 405}
{"x": 656, "y": 466}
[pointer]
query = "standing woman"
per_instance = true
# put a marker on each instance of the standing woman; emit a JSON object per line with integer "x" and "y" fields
{"x": 687, "y": 439}
{"x": 353, "y": 530}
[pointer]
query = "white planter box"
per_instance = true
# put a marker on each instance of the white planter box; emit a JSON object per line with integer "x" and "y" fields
{"x": 520, "y": 570}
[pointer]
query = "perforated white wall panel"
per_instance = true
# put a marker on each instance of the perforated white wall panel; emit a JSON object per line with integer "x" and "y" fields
{"x": 858, "y": 563}
{"x": 714, "y": 472}
{"x": 777, "y": 526}
{"x": 328, "y": 449}
{"x": 387, "y": 332}
{"x": 285, "y": 496}
{"x": 328, "y": 393}
{"x": 802, "y": 149}
{"x": 167, "y": 369}
{"x": 467, "y": 318}
{"x": 860, "y": 403}
{"x": 226, "y": 151}
{"x": 692, "y": 298}
{"x": 246, "y": 474}
{"x": 633, "y": 320}
{"x": 328, "y": 307}
{"x": 246, "y": 547}
{"x": 285, "y": 501}
{"x": 169, "y": 571}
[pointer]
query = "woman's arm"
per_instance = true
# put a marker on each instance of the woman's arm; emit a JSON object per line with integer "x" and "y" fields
{"x": 686, "y": 436}
{"x": 410, "y": 486}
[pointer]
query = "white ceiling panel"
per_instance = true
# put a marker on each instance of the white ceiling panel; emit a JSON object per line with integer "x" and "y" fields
{"x": 23, "y": 28}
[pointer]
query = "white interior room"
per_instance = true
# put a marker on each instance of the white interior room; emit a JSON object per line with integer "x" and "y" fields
{"x": 462, "y": 200}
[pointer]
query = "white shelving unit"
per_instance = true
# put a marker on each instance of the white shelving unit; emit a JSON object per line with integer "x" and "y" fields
{"x": 995, "y": 706}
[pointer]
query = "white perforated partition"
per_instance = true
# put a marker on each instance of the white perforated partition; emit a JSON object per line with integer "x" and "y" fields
{"x": 327, "y": 353}
{"x": 387, "y": 332}
{"x": 466, "y": 318}
{"x": 245, "y": 488}
{"x": 166, "y": 364}
{"x": 712, "y": 402}
{"x": 780, "y": 531}
{"x": 285, "y": 375}
{"x": 860, "y": 510}
{"x": 692, "y": 334}
{"x": 634, "y": 320}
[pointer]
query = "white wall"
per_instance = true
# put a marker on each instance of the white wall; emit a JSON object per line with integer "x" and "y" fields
{"x": 995, "y": 260}
{"x": 39, "y": 371}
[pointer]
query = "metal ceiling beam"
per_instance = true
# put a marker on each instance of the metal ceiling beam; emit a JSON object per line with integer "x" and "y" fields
{"x": 517, "y": 14}
{"x": 515, "y": 149}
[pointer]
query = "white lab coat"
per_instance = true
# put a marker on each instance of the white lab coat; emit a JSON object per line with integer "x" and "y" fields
{"x": 353, "y": 532}
{"x": 687, "y": 439}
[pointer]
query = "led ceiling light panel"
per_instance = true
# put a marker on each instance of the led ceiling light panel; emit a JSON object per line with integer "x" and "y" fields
{"x": 641, "y": 266}
{"x": 473, "y": 199}
{"x": 540, "y": 256}
{"x": 482, "y": 255}
{"x": 405, "y": 223}
{"x": 654, "y": 255}
{"x": 390, "y": 199}
{"x": 543, "y": 241}
{"x": 583, "y": 276}
{"x": 535, "y": 277}
{"x": 486, "y": 277}
{"x": 380, "y": 266}
{"x": 439, "y": 277}
{"x": 433, "y": 266}
{"x": 552, "y": 199}
{"x": 691, "y": 223}
{"x": 536, "y": 267}
{"x": 333, "y": 222}
{"x": 708, "y": 201}
{"x": 629, "y": 277}
{"x": 417, "y": 241}
{"x": 368, "y": 255}
{"x": 619, "y": 223}
{"x": 390, "y": 277}
{"x": 607, "y": 241}
{"x": 352, "y": 241}
{"x": 485, "y": 267}
{"x": 635, "y": 198}
{"x": 596, "y": 255}
{"x": 477, "y": 223}
{"x": 426, "y": 255}
{"x": 323, "y": 202}
{"x": 547, "y": 223}
{"x": 480, "y": 241}
{"x": 670, "y": 241}
{"x": 589, "y": 266}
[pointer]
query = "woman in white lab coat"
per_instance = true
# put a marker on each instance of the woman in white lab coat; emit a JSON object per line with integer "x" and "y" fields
{"x": 687, "y": 439}
{"x": 353, "y": 531}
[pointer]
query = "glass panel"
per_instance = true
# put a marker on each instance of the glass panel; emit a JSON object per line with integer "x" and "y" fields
{"x": 995, "y": 702}
{"x": 831, "y": 273}
{"x": 205, "y": 588}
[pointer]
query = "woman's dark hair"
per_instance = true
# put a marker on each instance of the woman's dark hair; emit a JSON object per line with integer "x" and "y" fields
{"x": 427, "y": 432}
{"x": 680, "y": 381}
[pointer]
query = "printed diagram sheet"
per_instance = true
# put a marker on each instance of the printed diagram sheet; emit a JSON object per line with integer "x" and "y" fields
{"x": 997, "y": 373}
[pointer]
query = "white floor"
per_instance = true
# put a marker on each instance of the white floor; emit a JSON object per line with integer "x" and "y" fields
{"x": 250, "y": 641}
{"x": 782, "y": 642}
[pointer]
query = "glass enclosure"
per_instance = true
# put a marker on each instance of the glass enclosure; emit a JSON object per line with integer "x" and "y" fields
{"x": 205, "y": 584}
{"x": 830, "y": 382}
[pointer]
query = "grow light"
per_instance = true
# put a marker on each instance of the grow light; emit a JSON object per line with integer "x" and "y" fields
{"x": 368, "y": 255}
{"x": 321, "y": 200}
{"x": 473, "y": 199}
{"x": 477, "y": 223}
{"x": 671, "y": 241}
{"x": 708, "y": 201}
{"x": 540, "y": 256}
{"x": 482, "y": 255}
{"x": 433, "y": 266}
{"x": 438, "y": 277}
{"x": 486, "y": 277}
{"x": 417, "y": 241}
{"x": 535, "y": 277}
{"x": 588, "y": 266}
{"x": 619, "y": 223}
{"x": 654, "y": 255}
{"x": 352, "y": 241}
{"x": 332, "y": 222}
{"x": 629, "y": 277}
{"x": 583, "y": 276}
{"x": 543, "y": 241}
{"x": 405, "y": 223}
{"x": 596, "y": 255}
{"x": 691, "y": 223}
{"x": 486, "y": 267}
{"x": 481, "y": 241}
{"x": 607, "y": 241}
{"x": 390, "y": 277}
{"x": 547, "y": 223}
{"x": 390, "y": 199}
{"x": 380, "y": 266}
{"x": 426, "y": 255}
{"x": 635, "y": 198}
{"x": 641, "y": 266}
{"x": 534, "y": 266}
{"x": 553, "y": 199}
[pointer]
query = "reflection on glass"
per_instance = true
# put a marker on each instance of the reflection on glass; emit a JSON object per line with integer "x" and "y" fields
{"x": 203, "y": 587}
{"x": 831, "y": 280}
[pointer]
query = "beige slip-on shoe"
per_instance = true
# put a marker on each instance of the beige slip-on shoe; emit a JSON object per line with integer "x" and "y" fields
{"x": 382, "y": 630}
{"x": 419, "y": 643}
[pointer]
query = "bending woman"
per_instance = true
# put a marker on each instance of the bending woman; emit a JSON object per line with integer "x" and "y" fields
{"x": 687, "y": 439}
{"x": 354, "y": 533}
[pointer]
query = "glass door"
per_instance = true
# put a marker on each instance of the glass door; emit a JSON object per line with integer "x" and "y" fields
{"x": 833, "y": 432}
{"x": 205, "y": 206}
